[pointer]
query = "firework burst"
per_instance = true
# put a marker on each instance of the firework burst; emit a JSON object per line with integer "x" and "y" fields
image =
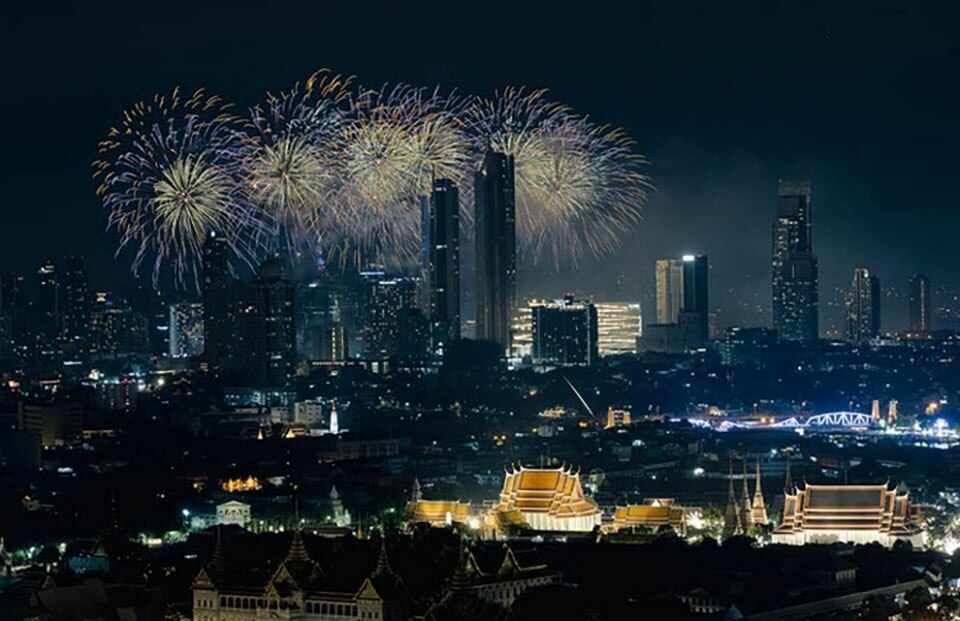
{"x": 399, "y": 141}
{"x": 291, "y": 167}
{"x": 579, "y": 185}
{"x": 170, "y": 175}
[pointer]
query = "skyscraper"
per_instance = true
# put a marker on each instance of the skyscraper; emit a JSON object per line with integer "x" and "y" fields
{"x": 219, "y": 312}
{"x": 186, "y": 329}
{"x": 794, "y": 268}
{"x": 75, "y": 304}
{"x": 496, "y": 248}
{"x": 441, "y": 240}
{"x": 270, "y": 343}
{"x": 13, "y": 313}
{"x": 669, "y": 290}
{"x": 47, "y": 316}
{"x": 564, "y": 332}
{"x": 919, "y": 303}
{"x": 863, "y": 307}
{"x": 696, "y": 300}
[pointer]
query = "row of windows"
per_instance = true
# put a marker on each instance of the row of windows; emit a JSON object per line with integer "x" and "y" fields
{"x": 252, "y": 603}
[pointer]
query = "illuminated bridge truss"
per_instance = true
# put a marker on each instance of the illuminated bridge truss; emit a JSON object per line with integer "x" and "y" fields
{"x": 848, "y": 420}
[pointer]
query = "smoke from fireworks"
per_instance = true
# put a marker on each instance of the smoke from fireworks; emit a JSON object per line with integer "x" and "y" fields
{"x": 291, "y": 167}
{"x": 578, "y": 185}
{"x": 169, "y": 176}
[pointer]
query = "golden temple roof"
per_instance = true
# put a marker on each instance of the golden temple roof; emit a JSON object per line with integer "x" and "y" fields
{"x": 555, "y": 491}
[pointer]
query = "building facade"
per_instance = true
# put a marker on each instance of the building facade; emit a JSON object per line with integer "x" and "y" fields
{"x": 795, "y": 281}
{"x": 564, "y": 332}
{"x": 669, "y": 282}
{"x": 545, "y": 499}
{"x": 186, "y": 329}
{"x": 920, "y": 303}
{"x": 858, "y": 514}
{"x": 441, "y": 261}
{"x": 496, "y": 248}
{"x": 862, "y": 307}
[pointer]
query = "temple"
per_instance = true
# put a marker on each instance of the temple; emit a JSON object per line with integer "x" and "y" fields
{"x": 847, "y": 513}
{"x": 435, "y": 512}
{"x": 653, "y": 513}
{"x": 740, "y": 517}
{"x": 546, "y": 499}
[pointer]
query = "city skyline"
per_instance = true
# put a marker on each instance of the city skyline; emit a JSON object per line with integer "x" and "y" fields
{"x": 851, "y": 195}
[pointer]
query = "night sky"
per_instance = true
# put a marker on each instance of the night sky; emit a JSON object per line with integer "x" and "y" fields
{"x": 722, "y": 97}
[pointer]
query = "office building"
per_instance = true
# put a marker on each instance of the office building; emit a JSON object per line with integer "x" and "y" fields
{"x": 441, "y": 262}
{"x": 46, "y": 317}
{"x": 74, "y": 302}
{"x": 618, "y": 327}
{"x": 219, "y": 303}
{"x": 326, "y": 310}
{"x": 669, "y": 281}
{"x": 683, "y": 285}
{"x": 186, "y": 330}
{"x": 496, "y": 248}
{"x": 920, "y": 303}
{"x": 267, "y": 321}
{"x": 115, "y": 328}
{"x": 13, "y": 314}
{"x": 862, "y": 307}
{"x": 747, "y": 347}
{"x": 564, "y": 332}
{"x": 55, "y": 423}
{"x": 696, "y": 300}
{"x": 794, "y": 267}
{"x": 384, "y": 298}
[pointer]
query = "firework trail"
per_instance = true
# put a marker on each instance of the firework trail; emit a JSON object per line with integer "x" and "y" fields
{"x": 291, "y": 167}
{"x": 170, "y": 175}
{"x": 579, "y": 185}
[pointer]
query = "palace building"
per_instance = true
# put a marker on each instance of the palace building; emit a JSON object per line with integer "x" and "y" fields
{"x": 546, "y": 499}
{"x": 653, "y": 513}
{"x": 297, "y": 588}
{"x": 847, "y": 513}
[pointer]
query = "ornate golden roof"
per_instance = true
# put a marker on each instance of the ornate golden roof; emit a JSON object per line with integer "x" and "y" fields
{"x": 554, "y": 491}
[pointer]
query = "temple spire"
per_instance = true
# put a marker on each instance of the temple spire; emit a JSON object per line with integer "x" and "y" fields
{"x": 731, "y": 516}
{"x": 383, "y": 561}
{"x": 759, "y": 512}
{"x": 297, "y": 551}
{"x": 417, "y": 494}
{"x": 218, "y": 560}
{"x": 746, "y": 518}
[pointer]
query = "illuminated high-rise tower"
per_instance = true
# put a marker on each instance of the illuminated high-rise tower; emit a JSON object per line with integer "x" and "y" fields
{"x": 441, "y": 248}
{"x": 863, "y": 307}
{"x": 669, "y": 290}
{"x": 496, "y": 248}
{"x": 219, "y": 321}
{"x": 919, "y": 303}
{"x": 794, "y": 268}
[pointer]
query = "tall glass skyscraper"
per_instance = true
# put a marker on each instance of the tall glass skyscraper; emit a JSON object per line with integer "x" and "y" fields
{"x": 919, "y": 303}
{"x": 441, "y": 249}
{"x": 794, "y": 267}
{"x": 863, "y": 307}
{"x": 496, "y": 251}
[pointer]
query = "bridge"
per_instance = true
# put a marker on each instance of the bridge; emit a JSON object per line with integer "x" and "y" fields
{"x": 831, "y": 420}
